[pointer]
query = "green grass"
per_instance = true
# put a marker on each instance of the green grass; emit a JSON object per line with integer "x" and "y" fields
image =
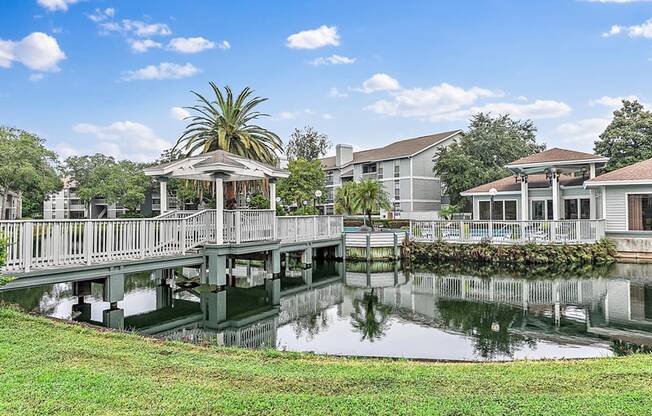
{"x": 51, "y": 367}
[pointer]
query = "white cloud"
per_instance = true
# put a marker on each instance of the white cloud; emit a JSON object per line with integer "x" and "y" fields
{"x": 335, "y": 93}
{"x": 437, "y": 103}
{"x": 136, "y": 28}
{"x": 141, "y": 46}
{"x": 124, "y": 140}
{"x": 37, "y": 51}
{"x": 644, "y": 30}
{"x": 332, "y": 60}
{"x": 179, "y": 113}
{"x": 379, "y": 82}
{"x": 55, "y": 5}
{"x": 327, "y": 116}
{"x": 287, "y": 115}
{"x": 164, "y": 70}
{"x": 314, "y": 38}
{"x": 190, "y": 45}
{"x": 65, "y": 150}
{"x": 446, "y": 102}
{"x": 102, "y": 15}
{"x": 36, "y": 77}
{"x": 581, "y": 133}
{"x": 612, "y": 102}
{"x": 224, "y": 45}
{"x": 538, "y": 109}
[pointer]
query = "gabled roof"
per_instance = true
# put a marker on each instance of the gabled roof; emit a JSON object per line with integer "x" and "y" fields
{"x": 557, "y": 155}
{"x": 399, "y": 149}
{"x": 640, "y": 172}
{"x": 509, "y": 184}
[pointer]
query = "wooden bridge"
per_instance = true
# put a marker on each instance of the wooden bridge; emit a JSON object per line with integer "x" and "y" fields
{"x": 50, "y": 245}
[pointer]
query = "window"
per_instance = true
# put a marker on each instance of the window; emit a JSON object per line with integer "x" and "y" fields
{"x": 502, "y": 210}
{"x": 369, "y": 168}
{"x": 577, "y": 208}
{"x": 397, "y": 190}
{"x": 397, "y": 168}
{"x": 329, "y": 178}
{"x": 380, "y": 171}
{"x": 639, "y": 212}
{"x": 541, "y": 210}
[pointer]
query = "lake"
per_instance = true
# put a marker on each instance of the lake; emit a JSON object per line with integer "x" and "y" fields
{"x": 379, "y": 310}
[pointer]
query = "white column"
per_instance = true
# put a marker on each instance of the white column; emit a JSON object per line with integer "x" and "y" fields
{"x": 555, "y": 195}
{"x": 219, "y": 210}
{"x": 525, "y": 205}
{"x": 163, "y": 191}
{"x": 272, "y": 195}
{"x": 592, "y": 171}
{"x": 593, "y": 204}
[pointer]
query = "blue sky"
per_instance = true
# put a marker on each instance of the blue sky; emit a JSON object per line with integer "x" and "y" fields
{"x": 106, "y": 75}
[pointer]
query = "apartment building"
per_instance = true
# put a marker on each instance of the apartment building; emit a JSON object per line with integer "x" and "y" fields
{"x": 405, "y": 168}
{"x": 12, "y": 207}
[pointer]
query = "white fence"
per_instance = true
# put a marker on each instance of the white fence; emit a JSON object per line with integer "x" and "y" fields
{"x": 59, "y": 243}
{"x": 561, "y": 231}
{"x": 307, "y": 228}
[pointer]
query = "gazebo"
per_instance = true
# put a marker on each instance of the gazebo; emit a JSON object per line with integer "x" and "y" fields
{"x": 218, "y": 167}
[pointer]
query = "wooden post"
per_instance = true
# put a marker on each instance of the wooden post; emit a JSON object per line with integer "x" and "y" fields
{"x": 28, "y": 239}
{"x": 296, "y": 228}
{"x": 368, "y": 251}
{"x": 238, "y": 226}
{"x": 182, "y": 236}
{"x": 143, "y": 237}
{"x": 88, "y": 241}
{"x": 315, "y": 231}
{"x": 219, "y": 210}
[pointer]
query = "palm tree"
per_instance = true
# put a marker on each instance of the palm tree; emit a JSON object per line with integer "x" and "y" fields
{"x": 226, "y": 124}
{"x": 345, "y": 198}
{"x": 370, "y": 197}
{"x": 370, "y": 316}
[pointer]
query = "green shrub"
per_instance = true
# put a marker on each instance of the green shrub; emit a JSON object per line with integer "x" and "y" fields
{"x": 258, "y": 201}
{"x": 602, "y": 252}
{"x": 3, "y": 259}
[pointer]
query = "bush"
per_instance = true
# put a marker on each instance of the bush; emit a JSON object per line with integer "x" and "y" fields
{"x": 258, "y": 201}
{"x": 306, "y": 210}
{"x": 602, "y": 252}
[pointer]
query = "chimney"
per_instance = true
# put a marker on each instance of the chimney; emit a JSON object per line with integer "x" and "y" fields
{"x": 343, "y": 154}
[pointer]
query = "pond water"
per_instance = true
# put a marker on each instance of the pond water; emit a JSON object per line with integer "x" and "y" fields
{"x": 378, "y": 310}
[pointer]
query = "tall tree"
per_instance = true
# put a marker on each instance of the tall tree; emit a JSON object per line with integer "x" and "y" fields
{"x": 486, "y": 147}
{"x": 308, "y": 144}
{"x": 305, "y": 178}
{"x": 226, "y": 123}
{"x": 370, "y": 197}
{"x": 628, "y": 138}
{"x": 27, "y": 167}
{"x": 100, "y": 176}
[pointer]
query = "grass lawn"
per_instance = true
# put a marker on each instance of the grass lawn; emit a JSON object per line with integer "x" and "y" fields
{"x": 50, "y": 367}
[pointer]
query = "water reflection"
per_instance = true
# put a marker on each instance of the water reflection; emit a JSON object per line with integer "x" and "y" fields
{"x": 376, "y": 309}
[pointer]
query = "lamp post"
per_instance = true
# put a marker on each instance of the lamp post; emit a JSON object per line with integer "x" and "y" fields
{"x": 492, "y": 193}
{"x": 317, "y": 196}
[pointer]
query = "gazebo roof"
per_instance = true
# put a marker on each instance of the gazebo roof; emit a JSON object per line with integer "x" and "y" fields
{"x": 637, "y": 173}
{"x": 206, "y": 166}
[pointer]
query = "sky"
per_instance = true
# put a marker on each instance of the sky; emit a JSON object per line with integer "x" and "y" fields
{"x": 114, "y": 76}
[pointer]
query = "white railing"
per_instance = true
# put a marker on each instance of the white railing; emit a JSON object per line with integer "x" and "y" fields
{"x": 307, "y": 228}
{"x": 561, "y": 231}
{"x": 47, "y": 244}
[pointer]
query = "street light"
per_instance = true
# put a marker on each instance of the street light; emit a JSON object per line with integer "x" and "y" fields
{"x": 317, "y": 196}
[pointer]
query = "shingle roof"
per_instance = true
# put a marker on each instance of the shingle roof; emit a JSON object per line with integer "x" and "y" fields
{"x": 554, "y": 155}
{"x": 509, "y": 184}
{"x": 639, "y": 171}
{"x": 402, "y": 148}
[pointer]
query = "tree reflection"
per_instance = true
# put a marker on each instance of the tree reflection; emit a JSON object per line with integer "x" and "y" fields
{"x": 622, "y": 348}
{"x": 370, "y": 316}
{"x": 488, "y": 323}
{"x": 311, "y": 324}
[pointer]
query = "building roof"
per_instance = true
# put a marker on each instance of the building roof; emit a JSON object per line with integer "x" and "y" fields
{"x": 399, "y": 149}
{"x": 509, "y": 184}
{"x": 636, "y": 173}
{"x": 556, "y": 155}
{"x": 204, "y": 166}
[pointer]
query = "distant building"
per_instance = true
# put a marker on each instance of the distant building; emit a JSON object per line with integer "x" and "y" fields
{"x": 13, "y": 206}
{"x": 65, "y": 204}
{"x": 405, "y": 169}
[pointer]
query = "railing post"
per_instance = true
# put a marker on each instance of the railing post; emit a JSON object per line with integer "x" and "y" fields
{"x": 88, "y": 241}
{"x": 109, "y": 239}
{"x": 296, "y": 228}
{"x": 462, "y": 230}
{"x": 183, "y": 236}
{"x": 238, "y": 226}
{"x": 143, "y": 237}
{"x": 578, "y": 230}
{"x": 274, "y": 225}
{"x": 314, "y": 227}
{"x": 28, "y": 240}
